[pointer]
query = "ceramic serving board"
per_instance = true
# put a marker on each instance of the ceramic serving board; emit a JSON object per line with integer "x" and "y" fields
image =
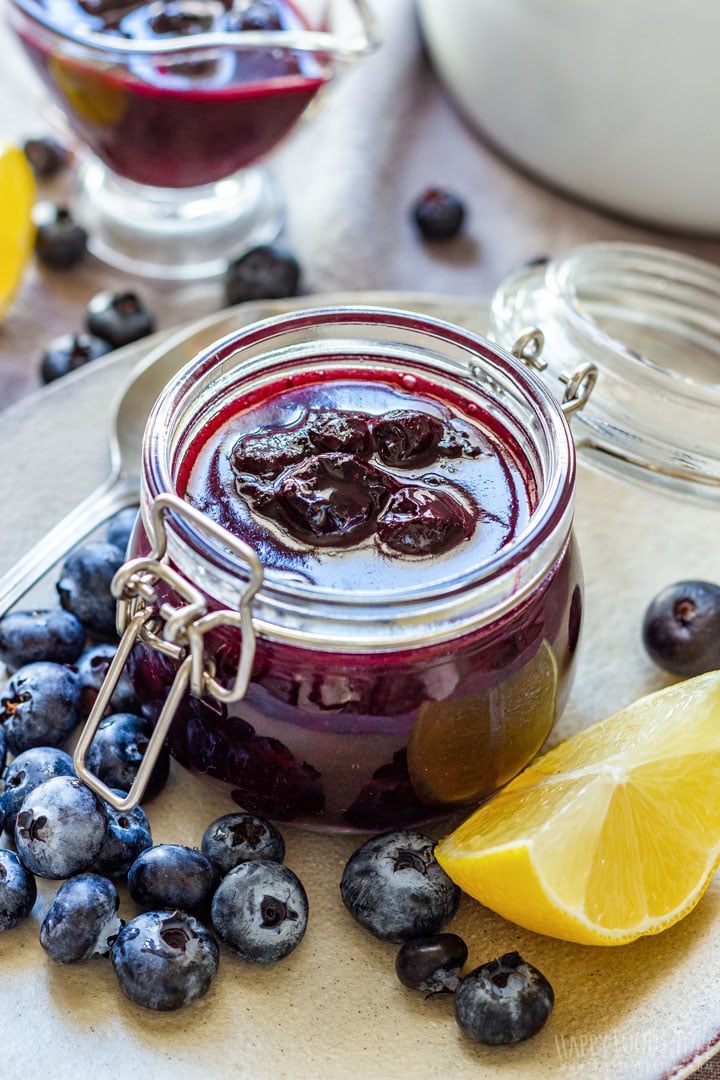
{"x": 334, "y": 1008}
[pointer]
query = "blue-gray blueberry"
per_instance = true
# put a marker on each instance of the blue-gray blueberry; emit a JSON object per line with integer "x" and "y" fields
{"x": 504, "y": 1001}
{"x": 60, "y": 828}
{"x": 394, "y": 886}
{"x": 84, "y": 586}
{"x": 128, "y": 834}
{"x": 117, "y": 750}
{"x": 82, "y": 920}
{"x": 240, "y": 837}
{"x": 165, "y": 959}
{"x": 260, "y": 911}
{"x": 18, "y": 890}
{"x": 40, "y": 706}
{"x": 92, "y": 667}
{"x": 28, "y": 636}
{"x": 26, "y": 772}
{"x": 172, "y": 876}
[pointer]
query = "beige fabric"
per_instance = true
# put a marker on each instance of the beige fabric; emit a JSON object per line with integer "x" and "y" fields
{"x": 335, "y": 1009}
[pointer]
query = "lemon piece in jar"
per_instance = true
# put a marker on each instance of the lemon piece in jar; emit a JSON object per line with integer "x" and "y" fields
{"x": 462, "y": 749}
{"x": 612, "y": 834}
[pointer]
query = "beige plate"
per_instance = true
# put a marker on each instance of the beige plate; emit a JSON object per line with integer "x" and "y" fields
{"x": 334, "y": 1009}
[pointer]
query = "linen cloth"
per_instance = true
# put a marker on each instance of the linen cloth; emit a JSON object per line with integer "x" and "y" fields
{"x": 349, "y": 172}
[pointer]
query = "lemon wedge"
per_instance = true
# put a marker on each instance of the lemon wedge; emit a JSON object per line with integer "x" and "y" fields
{"x": 612, "y": 834}
{"x": 17, "y": 232}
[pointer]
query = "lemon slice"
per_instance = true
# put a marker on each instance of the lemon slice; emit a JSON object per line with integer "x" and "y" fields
{"x": 613, "y": 834}
{"x": 17, "y": 232}
{"x": 462, "y": 749}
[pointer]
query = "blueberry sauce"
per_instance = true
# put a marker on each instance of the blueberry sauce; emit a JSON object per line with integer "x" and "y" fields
{"x": 181, "y": 122}
{"x": 344, "y": 498}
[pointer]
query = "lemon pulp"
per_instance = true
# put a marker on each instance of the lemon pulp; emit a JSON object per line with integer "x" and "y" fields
{"x": 614, "y": 833}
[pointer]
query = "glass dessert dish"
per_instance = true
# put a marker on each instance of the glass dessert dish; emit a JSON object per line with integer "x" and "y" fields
{"x": 177, "y": 101}
{"x": 353, "y": 598}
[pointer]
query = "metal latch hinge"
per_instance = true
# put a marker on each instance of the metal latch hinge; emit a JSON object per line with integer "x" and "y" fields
{"x": 175, "y": 630}
{"x": 578, "y": 384}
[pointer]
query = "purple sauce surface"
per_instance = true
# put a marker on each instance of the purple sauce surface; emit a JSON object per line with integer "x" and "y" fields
{"x": 185, "y": 122}
{"x": 361, "y": 499}
{"x": 346, "y": 740}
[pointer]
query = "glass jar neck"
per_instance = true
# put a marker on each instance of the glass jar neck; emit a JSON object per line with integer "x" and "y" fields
{"x": 434, "y": 608}
{"x": 650, "y": 319}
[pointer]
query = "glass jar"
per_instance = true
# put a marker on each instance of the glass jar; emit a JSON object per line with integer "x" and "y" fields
{"x": 378, "y": 702}
{"x": 648, "y": 318}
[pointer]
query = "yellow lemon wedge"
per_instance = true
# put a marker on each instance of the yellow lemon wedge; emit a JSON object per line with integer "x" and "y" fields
{"x": 17, "y": 231}
{"x": 612, "y": 834}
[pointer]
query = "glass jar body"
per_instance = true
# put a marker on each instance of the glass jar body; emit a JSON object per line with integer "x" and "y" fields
{"x": 370, "y": 711}
{"x": 374, "y": 741}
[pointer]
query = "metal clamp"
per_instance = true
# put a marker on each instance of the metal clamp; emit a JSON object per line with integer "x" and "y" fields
{"x": 177, "y": 631}
{"x": 578, "y": 384}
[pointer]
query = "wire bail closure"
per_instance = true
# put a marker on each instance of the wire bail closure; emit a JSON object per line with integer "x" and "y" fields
{"x": 578, "y": 384}
{"x": 175, "y": 631}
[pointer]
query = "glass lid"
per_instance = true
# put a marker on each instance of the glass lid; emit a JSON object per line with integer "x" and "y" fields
{"x": 637, "y": 329}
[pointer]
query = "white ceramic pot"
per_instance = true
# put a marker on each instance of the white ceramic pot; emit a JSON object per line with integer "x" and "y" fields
{"x": 615, "y": 101}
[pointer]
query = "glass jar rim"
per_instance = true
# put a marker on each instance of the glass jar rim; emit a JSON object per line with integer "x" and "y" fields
{"x": 630, "y": 308}
{"x": 426, "y": 612}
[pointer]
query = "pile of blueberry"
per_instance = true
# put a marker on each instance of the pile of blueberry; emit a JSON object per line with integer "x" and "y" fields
{"x": 235, "y": 890}
{"x": 394, "y": 887}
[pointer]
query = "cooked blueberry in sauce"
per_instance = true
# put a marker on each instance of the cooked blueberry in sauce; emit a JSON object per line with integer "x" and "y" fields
{"x": 405, "y": 438}
{"x": 330, "y": 498}
{"x": 421, "y": 522}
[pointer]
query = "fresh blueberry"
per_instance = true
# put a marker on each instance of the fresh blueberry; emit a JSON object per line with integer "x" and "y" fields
{"x": 257, "y": 15}
{"x": 681, "y": 628}
{"x": 92, "y": 667}
{"x": 47, "y": 156}
{"x": 172, "y": 876}
{"x": 82, "y": 920}
{"x": 3, "y": 759}
{"x": 84, "y": 585}
{"x": 394, "y": 886}
{"x": 68, "y": 352}
{"x": 240, "y": 837}
{"x": 438, "y": 214}
{"x": 264, "y": 273}
{"x": 165, "y": 959}
{"x": 128, "y": 834}
{"x": 60, "y": 828}
{"x": 40, "y": 706}
{"x": 27, "y": 636}
{"x": 120, "y": 527}
{"x": 260, "y": 910}
{"x": 18, "y": 890}
{"x": 60, "y": 242}
{"x": 431, "y": 963}
{"x": 119, "y": 318}
{"x": 117, "y": 749}
{"x": 504, "y": 1001}
{"x": 26, "y": 772}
